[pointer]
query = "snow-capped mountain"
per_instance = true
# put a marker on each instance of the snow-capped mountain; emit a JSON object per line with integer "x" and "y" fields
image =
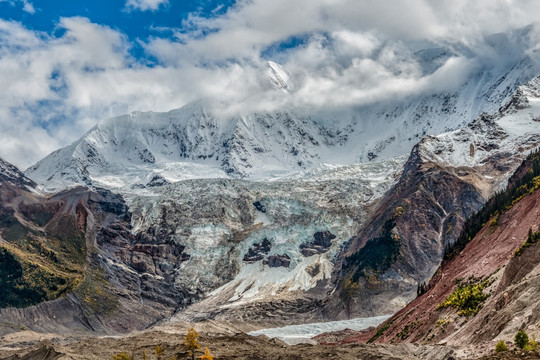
{"x": 190, "y": 142}
{"x": 198, "y": 141}
{"x": 514, "y": 128}
{"x": 315, "y": 186}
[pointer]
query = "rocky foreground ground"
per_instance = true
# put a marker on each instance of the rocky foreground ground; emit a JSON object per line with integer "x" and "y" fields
{"x": 225, "y": 342}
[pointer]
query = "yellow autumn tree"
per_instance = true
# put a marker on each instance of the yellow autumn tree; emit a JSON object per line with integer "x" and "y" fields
{"x": 191, "y": 342}
{"x": 159, "y": 353}
{"x": 207, "y": 355}
{"x": 122, "y": 356}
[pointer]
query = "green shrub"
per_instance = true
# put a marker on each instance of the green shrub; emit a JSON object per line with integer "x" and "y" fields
{"x": 501, "y": 346}
{"x": 521, "y": 339}
{"x": 406, "y": 332}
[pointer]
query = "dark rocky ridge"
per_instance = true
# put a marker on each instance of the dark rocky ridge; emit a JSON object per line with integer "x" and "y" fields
{"x": 429, "y": 205}
{"x": 277, "y": 261}
{"x": 11, "y": 174}
{"x": 108, "y": 279}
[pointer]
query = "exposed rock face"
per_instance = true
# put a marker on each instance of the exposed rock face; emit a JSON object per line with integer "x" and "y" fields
{"x": 42, "y": 247}
{"x": 512, "y": 286}
{"x": 106, "y": 296}
{"x": 278, "y": 261}
{"x": 320, "y": 244}
{"x": 259, "y": 206}
{"x": 258, "y": 251}
{"x": 430, "y": 205}
{"x": 73, "y": 256}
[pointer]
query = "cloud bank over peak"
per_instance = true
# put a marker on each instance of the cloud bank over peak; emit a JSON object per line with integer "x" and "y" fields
{"x": 337, "y": 53}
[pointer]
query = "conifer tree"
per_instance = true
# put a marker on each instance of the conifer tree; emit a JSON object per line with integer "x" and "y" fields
{"x": 521, "y": 339}
{"x": 207, "y": 355}
{"x": 191, "y": 342}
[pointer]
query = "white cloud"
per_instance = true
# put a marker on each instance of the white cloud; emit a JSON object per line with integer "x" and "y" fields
{"x": 27, "y": 6}
{"x": 352, "y": 52}
{"x": 145, "y": 5}
{"x": 252, "y": 25}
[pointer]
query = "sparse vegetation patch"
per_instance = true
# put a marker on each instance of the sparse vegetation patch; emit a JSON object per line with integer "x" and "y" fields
{"x": 95, "y": 294}
{"x": 468, "y": 297}
{"x": 501, "y": 346}
{"x": 521, "y": 339}
{"x": 380, "y": 332}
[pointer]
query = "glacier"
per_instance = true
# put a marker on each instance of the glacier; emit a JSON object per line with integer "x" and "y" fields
{"x": 302, "y": 334}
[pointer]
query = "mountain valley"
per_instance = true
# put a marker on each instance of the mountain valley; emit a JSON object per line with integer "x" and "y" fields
{"x": 152, "y": 223}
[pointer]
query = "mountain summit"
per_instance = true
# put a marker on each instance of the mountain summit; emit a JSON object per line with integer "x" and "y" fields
{"x": 199, "y": 141}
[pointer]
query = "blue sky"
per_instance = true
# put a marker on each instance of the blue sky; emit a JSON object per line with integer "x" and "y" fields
{"x": 66, "y": 65}
{"x": 136, "y": 20}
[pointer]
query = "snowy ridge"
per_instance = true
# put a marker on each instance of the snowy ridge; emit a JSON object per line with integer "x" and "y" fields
{"x": 185, "y": 143}
{"x": 11, "y": 174}
{"x": 278, "y": 77}
{"x": 515, "y": 128}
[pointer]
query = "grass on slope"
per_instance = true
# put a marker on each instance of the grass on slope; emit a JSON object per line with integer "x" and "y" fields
{"x": 37, "y": 266}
